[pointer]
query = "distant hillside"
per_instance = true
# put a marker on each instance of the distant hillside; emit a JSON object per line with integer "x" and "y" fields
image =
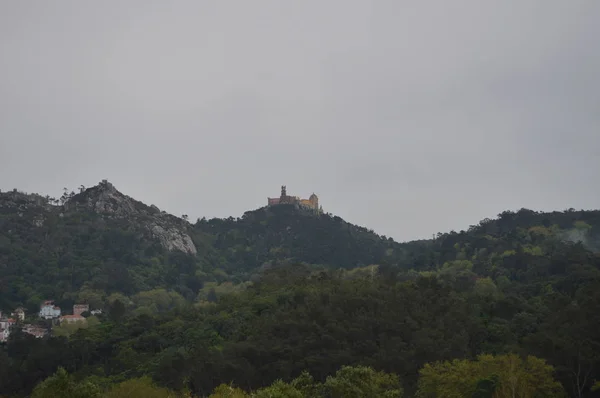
{"x": 95, "y": 241}
{"x": 285, "y": 234}
{"x": 259, "y": 298}
{"x": 525, "y": 232}
{"x": 101, "y": 241}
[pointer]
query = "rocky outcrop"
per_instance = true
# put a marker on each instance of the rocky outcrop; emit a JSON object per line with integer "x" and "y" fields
{"x": 173, "y": 239}
{"x": 31, "y": 207}
{"x": 106, "y": 200}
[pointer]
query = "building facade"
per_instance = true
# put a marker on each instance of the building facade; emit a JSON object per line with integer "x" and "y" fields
{"x": 79, "y": 309}
{"x": 35, "y": 331}
{"x": 4, "y": 333}
{"x": 72, "y": 319}
{"x": 19, "y": 313}
{"x": 48, "y": 310}
{"x": 312, "y": 203}
{"x": 7, "y": 323}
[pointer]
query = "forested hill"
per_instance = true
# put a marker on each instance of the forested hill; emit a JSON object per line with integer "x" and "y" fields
{"x": 285, "y": 234}
{"x": 99, "y": 241}
{"x": 280, "y": 302}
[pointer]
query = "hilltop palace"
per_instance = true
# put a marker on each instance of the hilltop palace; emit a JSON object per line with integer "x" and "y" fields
{"x": 312, "y": 203}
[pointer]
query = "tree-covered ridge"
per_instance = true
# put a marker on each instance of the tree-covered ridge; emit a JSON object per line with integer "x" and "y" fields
{"x": 489, "y": 376}
{"x": 279, "y": 292}
{"x": 60, "y": 252}
{"x": 296, "y": 319}
{"x": 284, "y": 234}
{"x": 99, "y": 241}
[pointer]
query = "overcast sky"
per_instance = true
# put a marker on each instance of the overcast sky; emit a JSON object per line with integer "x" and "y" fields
{"x": 407, "y": 117}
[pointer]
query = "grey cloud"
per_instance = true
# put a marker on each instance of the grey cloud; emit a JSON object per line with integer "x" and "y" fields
{"x": 408, "y": 118}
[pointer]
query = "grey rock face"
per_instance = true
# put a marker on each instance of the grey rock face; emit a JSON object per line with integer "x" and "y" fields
{"x": 105, "y": 199}
{"x": 173, "y": 239}
{"x": 108, "y": 200}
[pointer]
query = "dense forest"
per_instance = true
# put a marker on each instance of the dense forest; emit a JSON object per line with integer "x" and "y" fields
{"x": 282, "y": 303}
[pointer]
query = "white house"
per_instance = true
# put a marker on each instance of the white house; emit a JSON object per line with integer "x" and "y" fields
{"x": 19, "y": 313}
{"x": 6, "y": 324}
{"x": 4, "y": 333}
{"x": 49, "y": 311}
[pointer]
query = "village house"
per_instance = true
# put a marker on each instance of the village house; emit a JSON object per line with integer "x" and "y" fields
{"x": 4, "y": 333}
{"x": 72, "y": 319}
{"x": 35, "y": 331}
{"x": 78, "y": 309}
{"x": 7, "y": 323}
{"x": 48, "y": 310}
{"x": 19, "y": 313}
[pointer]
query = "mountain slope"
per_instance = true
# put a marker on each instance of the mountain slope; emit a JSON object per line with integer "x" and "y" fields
{"x": 101, "y": 241}
{"x": 98, "y": 240}
{"x": 284, "y": 234}
{"x": 279, "y": 291}
{"x": 104, "y": 199}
